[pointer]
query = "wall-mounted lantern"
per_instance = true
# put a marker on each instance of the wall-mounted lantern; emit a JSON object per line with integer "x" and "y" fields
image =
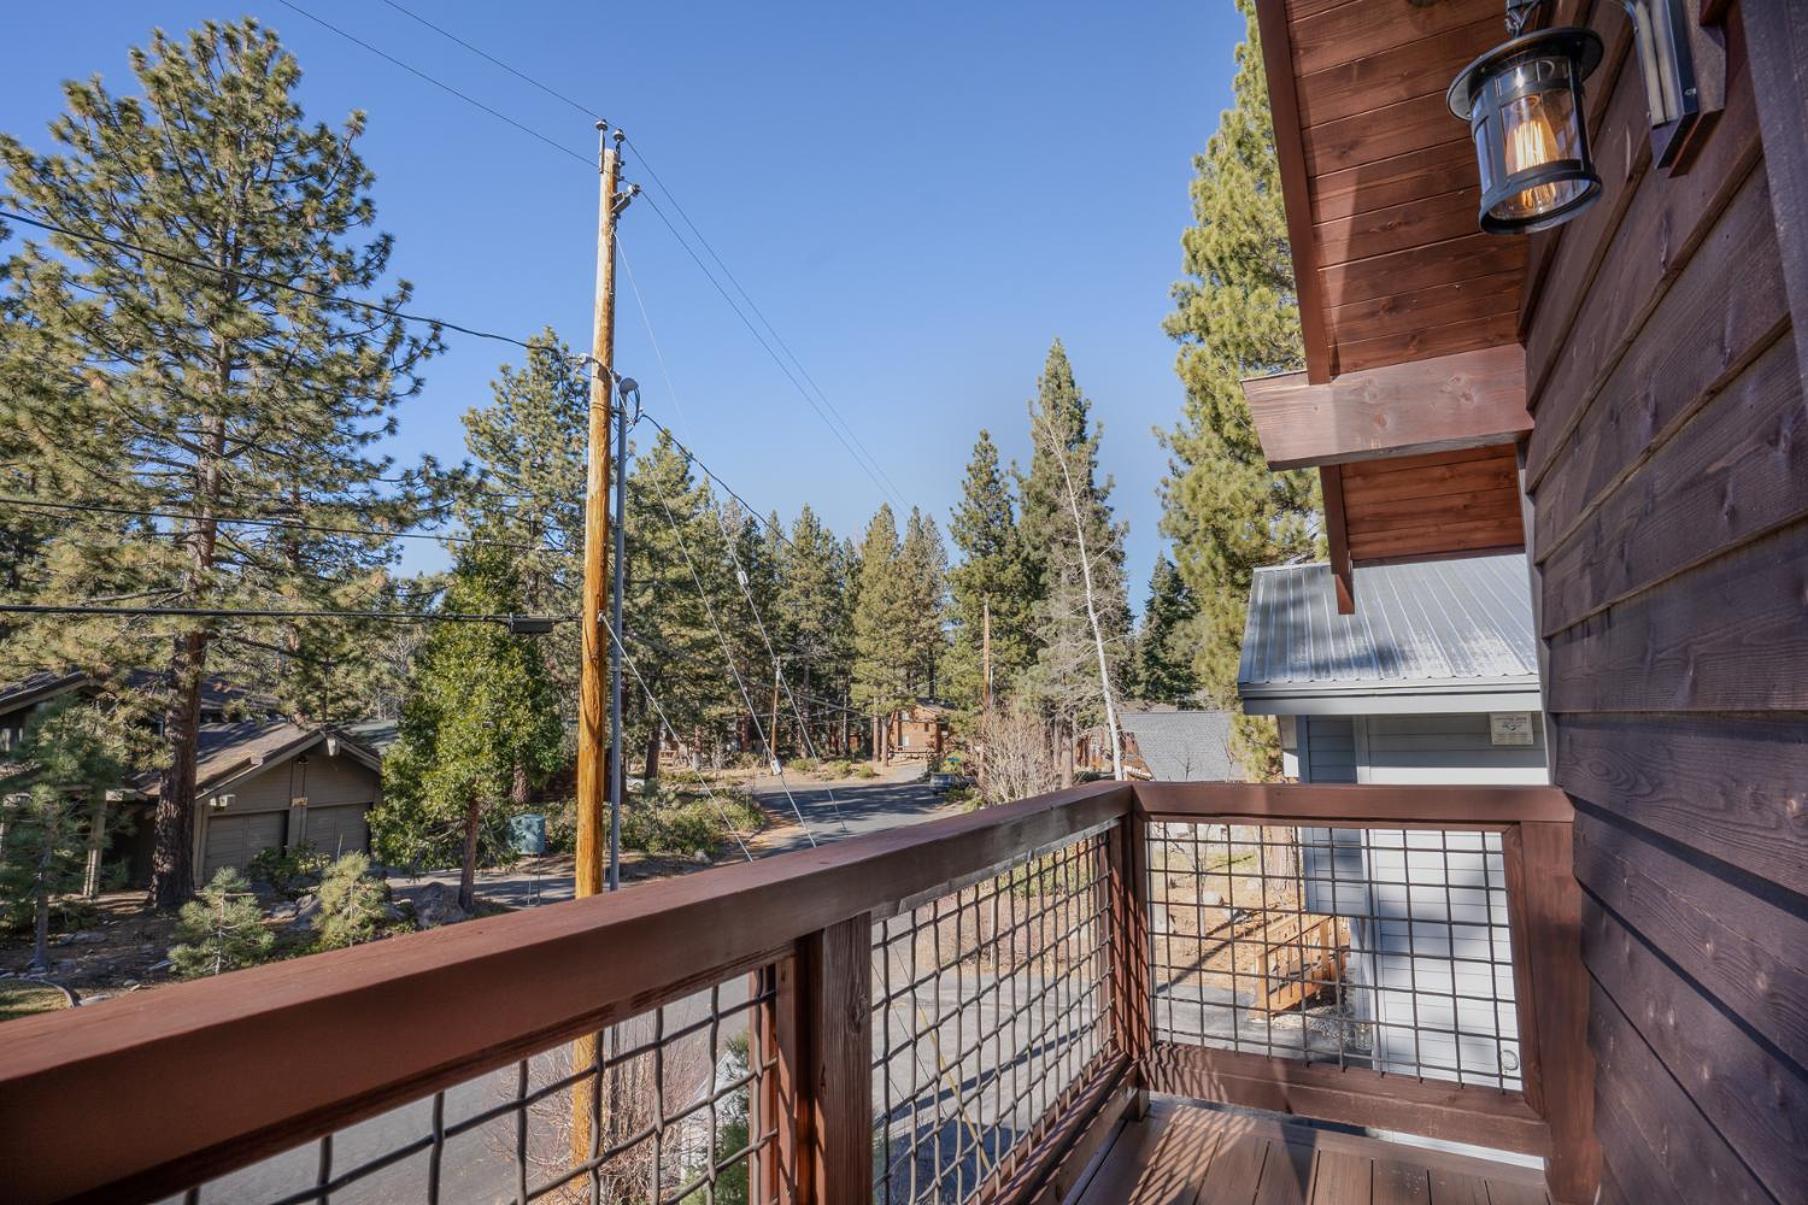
{"x": 1523, "y": 103}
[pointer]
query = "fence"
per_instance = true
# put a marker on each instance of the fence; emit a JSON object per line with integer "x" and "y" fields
{"x": 961, "y": 1010}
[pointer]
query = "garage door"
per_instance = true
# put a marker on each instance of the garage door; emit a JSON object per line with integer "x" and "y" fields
{"x": 339, "y": 829}
{"x": 235, "y": 840}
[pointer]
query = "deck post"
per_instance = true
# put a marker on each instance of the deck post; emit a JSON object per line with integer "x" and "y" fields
{"x": 825, "y": 1056}
{"x": 1551, "y": 984}
{"x": 1127, "y": 852}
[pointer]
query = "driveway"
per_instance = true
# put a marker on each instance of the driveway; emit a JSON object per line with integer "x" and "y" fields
{"x": 837, "y": 810}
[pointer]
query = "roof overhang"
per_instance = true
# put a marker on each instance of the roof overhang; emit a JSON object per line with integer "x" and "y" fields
{"x": 1391, "y": 698}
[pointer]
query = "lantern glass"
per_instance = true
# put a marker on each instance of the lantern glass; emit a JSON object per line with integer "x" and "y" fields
{"x": 1524, "y": 105}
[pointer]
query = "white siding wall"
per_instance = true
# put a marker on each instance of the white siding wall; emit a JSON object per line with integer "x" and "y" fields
{"x": 1428, "y": 909}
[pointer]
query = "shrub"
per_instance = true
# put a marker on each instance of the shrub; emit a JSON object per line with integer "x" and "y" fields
{"x": 865, "y": 770}
{"x": 221, "y": 929}
{"x": 803, "y": 765}
{"x": 289, "y": 872}
{"x": 354, "y": 904}
{"x": 669, "y": 824}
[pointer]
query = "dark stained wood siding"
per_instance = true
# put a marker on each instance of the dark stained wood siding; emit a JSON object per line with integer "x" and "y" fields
{"x": 1437, "y": 503}
{"x": 1668, "y": 481}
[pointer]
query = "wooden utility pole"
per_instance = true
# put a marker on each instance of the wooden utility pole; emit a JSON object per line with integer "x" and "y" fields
{"x": 592, "y": 781}
{"x": 587, "y": 1110}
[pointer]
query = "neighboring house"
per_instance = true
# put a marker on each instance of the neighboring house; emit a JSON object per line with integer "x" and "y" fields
{"x": 266, "y": 784}
{"x": 1166, "y": 744}
{"x": 1433, "y": 679}
{"x": 262, "y": 781}
{"x": 917, "y": 732}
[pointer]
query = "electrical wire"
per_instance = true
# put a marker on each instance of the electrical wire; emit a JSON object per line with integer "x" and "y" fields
{"x": 869, "y": 464}
{"x": 271, "y": 521}
{"x": 508, "y": 620}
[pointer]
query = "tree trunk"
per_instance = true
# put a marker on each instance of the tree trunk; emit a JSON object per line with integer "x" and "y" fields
{"x": 518, "y": 788}
{"x": 1065, "y": 734}
{"x": 467, "y": 871}
{"x": 172, "y": 853}
{"x": 97, "y": 841}
{"x": 40, "y": 946}
{"x": 650, "y": 767}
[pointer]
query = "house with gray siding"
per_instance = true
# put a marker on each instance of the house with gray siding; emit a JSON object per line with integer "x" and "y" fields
{"x": 1433, "y": 679}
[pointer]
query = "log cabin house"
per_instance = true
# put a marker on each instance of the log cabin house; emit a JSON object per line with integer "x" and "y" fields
{"x": 1029, "y": 1002}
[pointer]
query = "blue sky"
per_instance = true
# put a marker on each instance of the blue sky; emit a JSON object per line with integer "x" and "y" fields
{"x": 918, "y": 196}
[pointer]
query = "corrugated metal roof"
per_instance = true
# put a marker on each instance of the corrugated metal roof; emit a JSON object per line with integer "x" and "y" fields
{"x": 1448, "y": 625}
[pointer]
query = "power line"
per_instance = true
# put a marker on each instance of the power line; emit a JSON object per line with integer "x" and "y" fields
{"x": 273, "y": 282}
{"x": 868, "y": 463}
{"x": 270, "y": 521}
{"x": 521, "y": 624}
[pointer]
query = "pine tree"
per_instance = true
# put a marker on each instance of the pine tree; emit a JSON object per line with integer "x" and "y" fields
{"x": 881, "y": 628}
{"x": 1236, "y": 315}
{"x": 53, "y": 798}
{"x": 203, "y": 391}
{"x": 993, "y": 575}
{"x": 1077, "y": 566}
{"x": 923, "y": 566}
{"x": 673, "y": 543}
{"x": 220, "y": 930}
{"x": 813, "y": 615}
{"x": 528, "y": 448}
{"x": 1164, "y": 654}
{"x": 354, "y": 904}
{"x": 481, "y": 709}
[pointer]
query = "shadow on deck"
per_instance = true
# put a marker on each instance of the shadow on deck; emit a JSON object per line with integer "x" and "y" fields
{"x": 1186, "y": 1154}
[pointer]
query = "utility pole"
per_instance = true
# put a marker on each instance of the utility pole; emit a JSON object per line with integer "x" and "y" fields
{"x": 591, "y": 840}
{"x": 589, "y": 1115}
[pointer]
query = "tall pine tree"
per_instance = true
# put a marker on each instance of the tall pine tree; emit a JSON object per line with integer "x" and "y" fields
{"x": 205, "y": 391}
{"x": 1164, "y": 651}
{"x": 1236, "y": 315}
{"x": 813, "y": 619}
{"x": 882, "y": 646}
{"x": 923, "y": 566}
{"x": 993, "y": 576}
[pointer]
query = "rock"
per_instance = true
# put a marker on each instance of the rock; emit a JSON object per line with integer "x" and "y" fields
{"x": 393, "y": 914}
{"x": 436, "y": 904}
{"x": 88, "y": 937}
{"x": 1211, "y": 899}
{"x": 95, "y": 998}
{"x": 306, "y": 915}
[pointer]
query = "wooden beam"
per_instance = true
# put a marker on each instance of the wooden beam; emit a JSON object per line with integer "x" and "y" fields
{"x": 1466, "y": 400}
{"x": 1337, "y": 533}
{"x": 1354, "y": 806}
{"x": 1290, "y": 151}
{"x": 836, "y": 1045}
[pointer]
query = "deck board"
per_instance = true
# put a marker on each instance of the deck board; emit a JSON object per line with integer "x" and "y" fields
{"x": 1187, "y": 1154}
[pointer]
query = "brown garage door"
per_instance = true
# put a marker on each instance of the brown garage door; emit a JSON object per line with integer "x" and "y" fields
{"x": 235, "y": 840}
{"x": 339, "y": 829}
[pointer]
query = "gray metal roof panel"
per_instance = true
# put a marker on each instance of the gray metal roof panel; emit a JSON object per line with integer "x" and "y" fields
{"x": 1443, "y": 622}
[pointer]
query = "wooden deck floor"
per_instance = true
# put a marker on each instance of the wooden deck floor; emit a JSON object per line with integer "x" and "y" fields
{"x": 1183, "y": 1154}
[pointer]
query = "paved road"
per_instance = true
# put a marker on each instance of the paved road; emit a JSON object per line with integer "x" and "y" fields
{"x": 834, "y": 811}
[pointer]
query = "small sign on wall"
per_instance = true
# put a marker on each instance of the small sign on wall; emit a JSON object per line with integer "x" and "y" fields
{"x": 1510, "y": 727}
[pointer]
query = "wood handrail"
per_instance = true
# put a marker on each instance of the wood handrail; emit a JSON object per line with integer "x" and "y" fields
{"x": 144, "y": 1095}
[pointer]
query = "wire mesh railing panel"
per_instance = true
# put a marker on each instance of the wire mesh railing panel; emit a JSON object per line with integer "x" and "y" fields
{"x": 1380, "y": 948}
{"x": 991, "y": 1010}
{"x": 665, "y": 1111}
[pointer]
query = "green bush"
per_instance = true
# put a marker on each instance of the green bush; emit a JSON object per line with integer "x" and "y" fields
{"x": 292, "y": 872}
{"x": 354, "y": 904}
{"x": 863, "y": 769}
{"x": 671, "y": 824}
{"x": 803, "y": 765}
{"x": 221, "y": 929}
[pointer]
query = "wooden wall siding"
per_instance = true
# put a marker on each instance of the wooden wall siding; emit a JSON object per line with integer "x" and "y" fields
{"x": 1391, "y": 262}
{"x": 1668, "y": 485}
{"x": 1439, "y": 503}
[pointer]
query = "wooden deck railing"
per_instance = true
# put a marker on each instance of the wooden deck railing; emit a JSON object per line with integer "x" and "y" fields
{"x": 957, "y": 1010}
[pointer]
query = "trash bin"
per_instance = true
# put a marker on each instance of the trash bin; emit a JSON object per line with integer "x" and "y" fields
{"x": 527, "y": 833}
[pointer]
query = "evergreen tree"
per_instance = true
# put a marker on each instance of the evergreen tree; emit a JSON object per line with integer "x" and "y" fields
{"x": 528, "y": 448}
{"x": 813, "y": 615}
{"x": 923, "y": 566}
{"x": 53, "y": 798}
{"x": 354, "y": 904}
{"x": 481, "y": 709}
{"x": 1164, "y": 653}
{"x": 1236, "y": 316}
{"x": 881, "y": 628}
{"x": 993, "y": 575}
{"x": 220, "y": 930}
{"x": 1077, "y": 565}
{"x": 202, "y": 390}
{"x": 671, "y": 534}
